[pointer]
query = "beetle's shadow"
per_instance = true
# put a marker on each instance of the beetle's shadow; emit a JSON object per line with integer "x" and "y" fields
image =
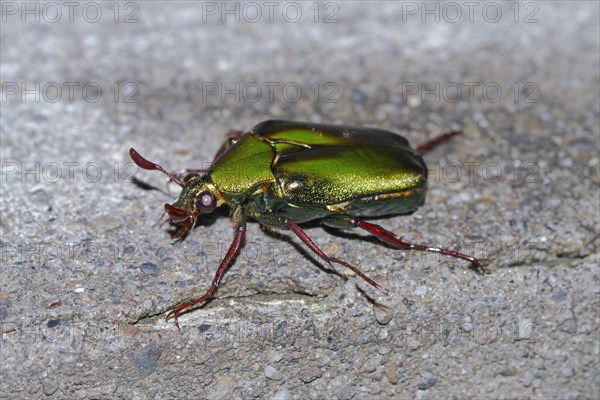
{"x": 315, "y": 259}
{"x": 148, "y": 187}
{"x": 143, "y": 185}
{"x": 322, "y": 264}
{"x": 301, "y": 248}
{"x": 347, "y": 234}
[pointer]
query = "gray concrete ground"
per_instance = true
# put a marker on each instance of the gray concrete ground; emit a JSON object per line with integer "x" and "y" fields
{"x": 87, "y": 278}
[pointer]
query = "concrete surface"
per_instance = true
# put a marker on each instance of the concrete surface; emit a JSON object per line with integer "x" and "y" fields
{"x": 87, "y": 278}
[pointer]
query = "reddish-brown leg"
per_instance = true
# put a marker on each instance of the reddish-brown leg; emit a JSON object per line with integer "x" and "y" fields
{"x": 389, "y": 238}
{"x": 311, "y": 245}
{"x": 425, "y": 147}
{"x": 239, "y": 235}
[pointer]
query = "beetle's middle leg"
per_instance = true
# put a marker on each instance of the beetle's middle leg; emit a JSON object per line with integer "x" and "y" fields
{"x": 311, "y": 245}
{"x": 391, "y": 239}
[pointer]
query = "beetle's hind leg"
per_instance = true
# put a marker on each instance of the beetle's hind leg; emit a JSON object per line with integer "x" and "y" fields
{"x": 390, "y": 239}
{"x": 436, "y": 141}
{"x": 311, "y": 245}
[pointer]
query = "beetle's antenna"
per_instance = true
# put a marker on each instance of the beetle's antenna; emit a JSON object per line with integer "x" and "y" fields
{"x": 425, "y": 147}
{"x": 149, "y": 165}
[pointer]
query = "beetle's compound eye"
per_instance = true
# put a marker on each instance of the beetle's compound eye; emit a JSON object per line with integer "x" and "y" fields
{"x": 206, "y": 203}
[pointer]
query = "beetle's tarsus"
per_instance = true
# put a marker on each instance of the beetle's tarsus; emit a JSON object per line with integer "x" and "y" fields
{"x": 174, "y": 314}
{"x": 480, "y": 269}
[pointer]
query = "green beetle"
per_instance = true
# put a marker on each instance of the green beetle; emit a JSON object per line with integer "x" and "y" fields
{"x": 283, "y": 173}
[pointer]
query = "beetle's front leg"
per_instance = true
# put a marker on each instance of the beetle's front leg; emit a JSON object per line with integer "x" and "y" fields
{"x": 315, "y": 249}
{"x": 391, "y": 239}
{"x": 233, "y": 248}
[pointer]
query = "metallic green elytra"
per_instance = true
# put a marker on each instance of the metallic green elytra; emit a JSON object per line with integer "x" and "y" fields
{"x": 283, "y": 173}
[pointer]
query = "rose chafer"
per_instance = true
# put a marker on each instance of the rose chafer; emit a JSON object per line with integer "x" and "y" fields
{"x": 284, "y": 173}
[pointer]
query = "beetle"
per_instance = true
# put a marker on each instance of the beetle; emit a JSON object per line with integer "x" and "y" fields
{"x": 284, "y": 173}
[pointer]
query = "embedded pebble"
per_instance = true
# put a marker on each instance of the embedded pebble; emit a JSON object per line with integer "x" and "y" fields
{"x": 49, "y": 388}
{"x": 427, "y": 383}
{"x": 310, "y": 374}
{"x": 272, "y": 373}
{"x": 283, "y": 394}
{"x": 383, "y": 315}
{"x": 420, "y": 291}
{"x": 149, "y": 268}
{"x": 467, "y": 324}
{"x": 391, "y": 371}
{"x": 525, "y": 328}
{"x": 94, "y": 395}
{"x": 527, "y": 379}
{"x": 146, "y": 358}
{"x": 568, "y": 371}
{"x": 346, "y": 393}
{"x": 274, "y": 356}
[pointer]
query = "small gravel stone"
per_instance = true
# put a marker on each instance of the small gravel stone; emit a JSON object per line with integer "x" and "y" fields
{"x": 427, "y": 383}
{"x": 420, "y": 291}
{"x": 145, "y": 359}
{"x": 525, "y": 329}
{"x": 49, "y": 388}
{"x": 149, "y": 268}
{"x": 310, "y": 373}
{"x": 282, "y": 395}
{"x": 467, "y": 324}
{"x": 391, "y": 371}
{"x": 357, "y": 96}
{"x": 272, "y": 373}
{"x": 346, "y": 393}
{"x": 54, "y": 323}
{"x": 256, "y": 391}
{"x": 280, "y": 329}
{"x": 94, "y": 394}
{"x": 369, "y": 366}
{"x": 383, "y": 315}
{"x": 274, "y": 356}
{"x": 568, "y": 371}
{"x": 383, "y": 334}
{"x": 527, "y": 379}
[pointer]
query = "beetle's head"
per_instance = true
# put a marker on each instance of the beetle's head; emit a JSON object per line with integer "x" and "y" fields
{"x": 198, "y": 195}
